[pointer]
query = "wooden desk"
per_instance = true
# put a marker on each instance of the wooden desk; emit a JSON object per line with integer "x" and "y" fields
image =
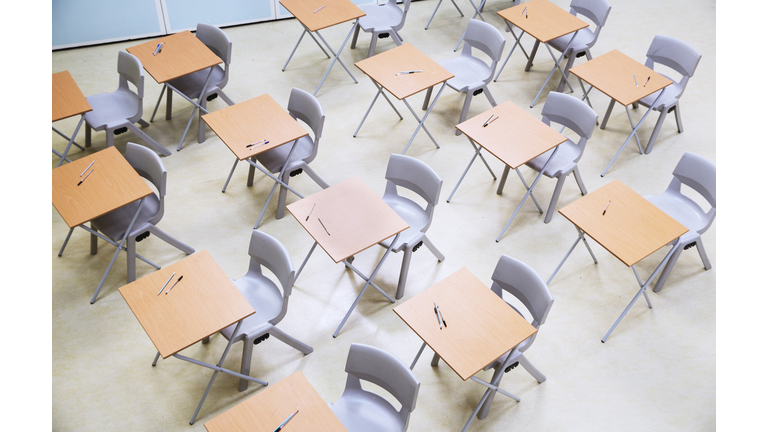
{"x": 384, "y": 70}
{"x": 615, "y": 74}
{"x": 355, "y": 219}
{"x": 631, "y": 229}
{"x": 111, "y": 184}
{"x": 545, "y": 22}
{"x": 254, "y": 120}
{"x": 264, "y": 411}
{"x": 66, "y": 101}
{"x": 333, "y": 12}
{"x": 201, "y": 304}
{"x": 515, "y": 137}
{"x": 182, "y": 54}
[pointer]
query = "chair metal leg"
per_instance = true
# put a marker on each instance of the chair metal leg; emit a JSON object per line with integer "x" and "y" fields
{"x": 656, "y": 130}
{"x": 439, "y": 255}
{"x": 245, "y": 363}
{"x": 464, "y": 110}
{"x": 579, "y": 181}
{"x": 291, "y": 341}
{"x": 171, "y": 241}
{"x": 555, "y": 197}
{"x": 144, "y": 137}
{"x": 668, "y": 268}
{"x": 407, "y": 253}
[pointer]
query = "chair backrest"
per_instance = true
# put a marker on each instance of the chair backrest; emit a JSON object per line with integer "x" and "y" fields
{"x": 130, "y": 69}
{"x": 305, "y": 107}
{"x": 414, "y": 175}
{"x": 516, "y": 278}
{"x": 267, "y": 251}
{"x": 218, "y": 42}
{"x": 676, "y": 55}
{"x": 149, "y": 165}
{"x": 700, "y": 175}
{"x": 406, "y": 6}
{"x": 572, "y": 113}
{"x": 386, "y": 371}
{"x": 596, "y": 11}
{"x": 486, "y": 38}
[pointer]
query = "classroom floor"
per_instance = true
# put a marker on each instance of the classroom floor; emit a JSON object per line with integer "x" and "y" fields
{"x": 656, "y": 371}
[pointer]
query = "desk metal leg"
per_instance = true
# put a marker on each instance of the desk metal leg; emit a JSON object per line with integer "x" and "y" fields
{"x": 573, "y": 246}
{"x": 336, "y": 55}
{"x": 295, "y": 278}
{"x": 368, "y": 282}
{"x": 529, "y": 191}
{"x": 277, "y": 180}
{"x": 216, "y": 370}
{"x": 418, "y": 354}
{"x": 423, "y": 119}
{"x": 71, "y": 140}
{"x": 478, "y": 149}
{"x": 643, "y": 287}
{"x": 435, "y": 11}
{"x": 557, "y": 66}
{"x": 196, "y": 104}
{"x": 633, "y": 133}
{"x": 306, "y": 30}
{"x": 522, "y": 179}
{"x": 114, "y": 257}
{"x": 379, "y": 92}
{"x": 517, "y": 42}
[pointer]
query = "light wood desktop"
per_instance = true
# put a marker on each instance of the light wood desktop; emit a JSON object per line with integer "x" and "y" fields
{"x": 254, "y": 121}
{"x": 188, "y": 310}
{"x": 481, "y": 327}
{"x": 355, "y": 219}
{"x": 515, "y": 137}
{"x": 182, "y": 54}
{"x": 622, "y": 79}
{"x": 545, "y": 22}
{"x": 385, "y": 71}
{"x": 316, "y": 15}
{"x": 67, "y": 101}
{"x": 266, "y": 410}
{"x": 626, "y": 225}
{"x": 110, "y": 183}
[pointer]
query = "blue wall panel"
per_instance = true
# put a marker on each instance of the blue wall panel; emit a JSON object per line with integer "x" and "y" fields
{"x": 78, "y": 22}
{"x": 185, "y": 14}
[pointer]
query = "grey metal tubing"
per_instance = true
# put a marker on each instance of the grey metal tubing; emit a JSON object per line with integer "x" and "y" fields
{"x": 66, "y": 138}
{"x": 304, "y": 263}
{"x": 632, "y": 123}
{"x": 557, "y": 66}
{"x": 157, "y": 356}
{"x": 71, "y": 140}
{"x": 634, "y": 131}
{"x": 60, "y": 155}
{"x": 435, "y": 11}
{"x": 421, "y": 122}
{"x": 494, "y": 388}
{"x": 114, "y": 257}
{"x": 306, "y": 30}
{"x": 478, "y": 149}
{"x": 380, "y": 91}
{"x": 477, "y": 409}
{"x": 110, "y": 241}
{"x": 336, "y": 56}
{"x": 157, "y": 105}
{"x": 66, "y": 240}
{"x": 528, "y": 192}
{"x": 277, "y": 180}
{"x": 365, "y": 278}
{"x": 418, "y": 354}
{"x": 517, "y": 42}
{"x": 573, "y": 246}
{"x": 522, "y": 179}
{"x": 196, "y": 104}
{"x": 224, "y": 189}
{"x": 367, "y": 282}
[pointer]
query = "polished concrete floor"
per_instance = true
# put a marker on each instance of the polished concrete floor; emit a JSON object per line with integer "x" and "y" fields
{"x": 656, "y": 372}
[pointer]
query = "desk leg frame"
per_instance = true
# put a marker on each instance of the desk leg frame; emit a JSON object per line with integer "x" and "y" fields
{"x": 478, "y": 149}
{"x": 71, "y": 141}
{"x": 297, "y": 45}
{"x": 573, "y": 246}
{"x": 278, "y": 180}
{"x": 557, "y": 66}
{"x": 379, "y": 92}
{"x": 435, "y": 11}
{"x": 336, "y": 55}
{"x": 517, "y": 42}
{"x": 423, "y": 119}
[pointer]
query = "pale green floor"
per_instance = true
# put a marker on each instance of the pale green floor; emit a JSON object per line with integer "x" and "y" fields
{"x": 656, "y": 372}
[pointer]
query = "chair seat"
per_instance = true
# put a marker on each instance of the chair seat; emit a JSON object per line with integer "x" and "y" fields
{"x": 380, "y": 18}
{"x": 563, "y": 161}
{"x": 414, "y": 216}
{"x": 265, "y": 298}
{"x": 114, "y": 223}
{"x": 191, "y": 84}
{"x": 684, "y": 210}
{"x": 466, "y": 71}
{"x": 580, "y": 43}
{"x": 361, "y": 411}
{"x": 274, "y": 159}
{"x": 668, "y": 99}
{"x": 111, "y": 109}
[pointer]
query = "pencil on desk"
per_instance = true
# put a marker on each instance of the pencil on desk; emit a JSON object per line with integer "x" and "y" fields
{"x": 166, "y": 283}
{"x": 86, "y": 176}
{"x": 492, "y": 120}
{"x": 321, "y": 223}
{"x": 174, "y": 284}
{"x": 318, "y": 10}
{"x": 606, "y": 207}
{"x": 635, "y": 77}
{"x": 486, "y": 122}
{"x": 310, "y": 211}
{"x": 86, "y": 168}
{"x": 440, "y": 314}
{"x": 279, "y": 428}
{"x": 524, "y": 11}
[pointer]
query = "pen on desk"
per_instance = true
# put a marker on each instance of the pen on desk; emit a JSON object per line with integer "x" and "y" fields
{"x": 409, "y": 72}
{"x": 492, "y": 120}
{"x": 159, "y": 48}
{"x": 279, "y": 428}
{"x": 524, "y": 11}
{"x": 606, "y": 208}
{"x": 86, "y": 176}
{"x": 321, "y": 223}
{"x": 438, "y": 316}
{"x": 310, "y": 211}
{"x": 166, "y": 283}
{"x": 646, "y": 81}
{"x": 319, "y": 9}
{"x": 86, "y": 168}
{"x": 174, "y": 284}
{"x": 635, "y": 77}
{"x": 486, "y": 122}
{"x": 257, "y": 143}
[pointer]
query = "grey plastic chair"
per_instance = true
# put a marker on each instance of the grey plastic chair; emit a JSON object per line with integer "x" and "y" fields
{"x": 192, "y": 85}
{"x": 416, "y": 176}
{"x": 305, "y": 107}
{"x": 683, "y": 59}
{"x": 594, "y": 10}
{"x": 700, "y": 175}
{"x": 473, "y": 74}
{"x": 266, "y": 298}
{"x": 113, "y": 225}
{"x": 362, "y": 411}
{"x": 382, "y": 21}
{"x": 522, "y": 282}
{"x": 117, "y": 112}
{"x": 576, "y": 115}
